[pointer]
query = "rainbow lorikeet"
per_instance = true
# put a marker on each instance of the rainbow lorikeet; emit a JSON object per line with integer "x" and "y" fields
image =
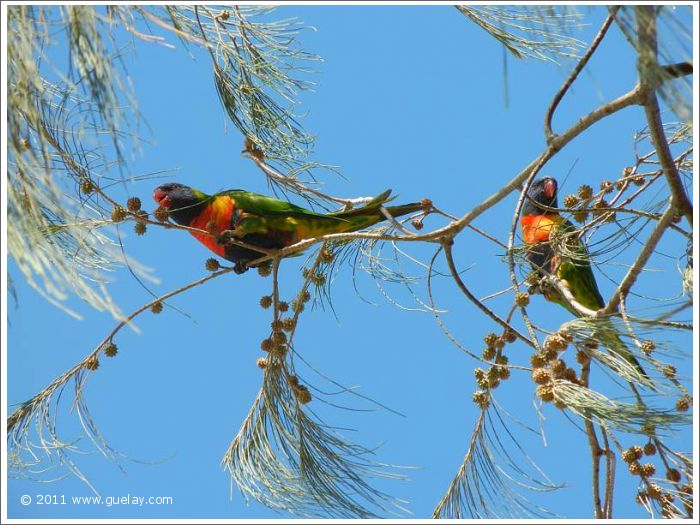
{"x": 554, "y": 248}
{"x": 262, "y": 221}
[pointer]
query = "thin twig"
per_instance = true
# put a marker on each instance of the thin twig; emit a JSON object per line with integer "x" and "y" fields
{"x": 575, "y": 72}
{"x": 447, "y": 246}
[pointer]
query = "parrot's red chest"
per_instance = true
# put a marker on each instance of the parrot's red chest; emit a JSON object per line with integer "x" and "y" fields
{"x": 536, "y": 228}
{"x": 215, "y": 218}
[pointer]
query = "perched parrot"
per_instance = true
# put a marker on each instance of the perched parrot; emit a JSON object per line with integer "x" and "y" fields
{"x": 262, "y": 221}
{"x": 554, "y": 248}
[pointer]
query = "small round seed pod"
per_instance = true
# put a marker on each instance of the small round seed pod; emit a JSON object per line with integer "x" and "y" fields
{"x": 648, "y": 347}
{"x": 537, "y": 360}
{"x": 649, "y": 429}
{"x": 111, "y": 350}
{"x": 417, "y": 224}
{"x": 483, "y": 382}
{"x": 545, "y": 393}
{"x": 211, "y": 264}
{"x": 683, "y": 403}
{"x": 581, "y": 216}
{"x": 266, "y": 301}
{"x": 318, "y": 279}
{"x": 635, "y": 468}
{"x": 669, "y": 371}
{"x": 648, "y": 470}
{"x": 632, "y": 454}
{"x": 302, "y": 394}
{"x": 283, "y": 306}
{"x": 673, "y": 475}
{"x": 649, "y": 449}
{"x": 490, "y": 339}
{"x": 264, "y": 270}
{"x": 118, "y": 214}
{"x": 133, "y": 204}
{"x": 558, "y": 367}
{"x": 509, "y": 336}
{"x": 262, "y": 362}
{"x": 161, "y": 214}
{"x": 570, "y": 375}
{"x": 482, "y": 399}
{"x": 554, "y": 342}
{"x": 600, "y": 207}
{"x": 489, "y": 353}
{"x": 654, "y": 491}
{"x": 522, "y": 299}
{"x": 606, "y": 186}
{"x": 326, "y": 255}
{"x": 92, "y": 363}
{"x": 87, "y": 187}
{"x": 550, "y": 354}
{"x": 139, "y": 228}
{"x": 266, "y": 345}
{"x": 288, "y": 324}
{"x": 541, "y": 376}
{"x": 570, "y": 201}
{"x": 585, "y": 192}
{"x": 503, "y": 372}
{"x": 157, "y": 308}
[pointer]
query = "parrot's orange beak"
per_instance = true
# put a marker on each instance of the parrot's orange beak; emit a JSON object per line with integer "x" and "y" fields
{"x": 161, "y": 198}
{"x": 550, "y": 188}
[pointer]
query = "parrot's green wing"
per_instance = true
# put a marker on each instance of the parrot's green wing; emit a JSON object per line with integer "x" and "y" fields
{"x": 265, "y": 206}
{"x": 575, "y": 266}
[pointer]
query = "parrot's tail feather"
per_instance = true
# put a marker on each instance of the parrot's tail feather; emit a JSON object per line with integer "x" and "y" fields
{"x": 404, "y": 209}
{"x": 371, "y": 208}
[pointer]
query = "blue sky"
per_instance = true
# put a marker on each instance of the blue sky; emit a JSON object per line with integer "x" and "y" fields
{"x": 409, "y": 98}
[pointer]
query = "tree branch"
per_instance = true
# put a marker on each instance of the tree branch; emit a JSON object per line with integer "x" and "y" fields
{"x": 632, "y": 274}
{"x": 447, "y": 246}
{"x": 575, "y": 72}
{"x": 649, "y": 79}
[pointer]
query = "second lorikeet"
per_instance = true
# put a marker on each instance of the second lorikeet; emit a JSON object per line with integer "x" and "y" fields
{"x": 262, "y": 221}
{"x": 554, "y": 248}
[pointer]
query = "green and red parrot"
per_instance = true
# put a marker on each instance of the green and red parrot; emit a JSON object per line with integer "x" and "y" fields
{"x": 261, "y": 221}
{"x": 554, "y": 248}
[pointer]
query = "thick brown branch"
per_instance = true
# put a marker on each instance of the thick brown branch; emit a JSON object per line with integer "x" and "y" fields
{"x": 649, "y": 79}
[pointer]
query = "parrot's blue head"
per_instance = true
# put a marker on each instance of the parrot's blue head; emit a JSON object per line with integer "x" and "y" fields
{"x": 541, "y": 196}
{"x": 181, "y": 202}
